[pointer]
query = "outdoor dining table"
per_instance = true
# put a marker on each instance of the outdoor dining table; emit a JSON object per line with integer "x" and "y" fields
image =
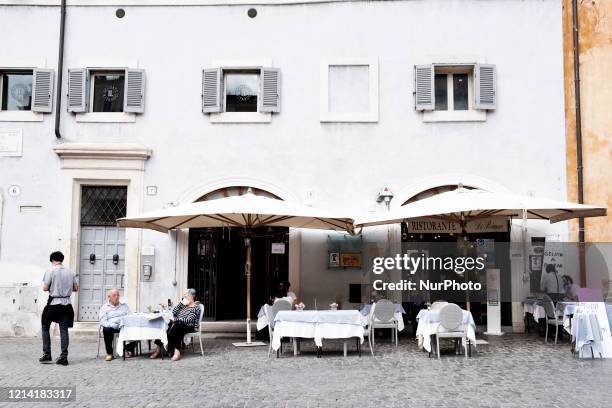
{"x": 429, "y": 321}
{"x": 143, "y": 326}
{"x": 367, "y": 310}
{"x": 318, "y": 325}
{"x": 535, "y": 308}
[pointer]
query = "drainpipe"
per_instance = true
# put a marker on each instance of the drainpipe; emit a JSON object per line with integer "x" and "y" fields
{"x": 579, "y": 174}
{"x": 60, "y": 69}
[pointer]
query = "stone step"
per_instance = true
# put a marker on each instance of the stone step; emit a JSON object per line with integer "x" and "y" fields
{"x": 218, "y": 329}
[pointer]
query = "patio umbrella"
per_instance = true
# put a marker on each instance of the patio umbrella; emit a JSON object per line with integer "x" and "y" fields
{"x": 246, "y": 211}
{"x": 463, "y": 205}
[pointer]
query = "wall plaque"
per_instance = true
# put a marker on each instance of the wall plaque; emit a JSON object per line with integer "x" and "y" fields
{"x": 11, "y": 142}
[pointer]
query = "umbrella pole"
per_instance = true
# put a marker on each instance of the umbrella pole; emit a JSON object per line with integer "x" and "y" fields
{"x": 461, "y": 242}
{"x": 247, "y": 266}
{"x": 248, "y": 289}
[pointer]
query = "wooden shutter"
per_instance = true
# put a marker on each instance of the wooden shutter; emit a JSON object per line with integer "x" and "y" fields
{"x": 42, "y": 90}
{"x": 78, "y": 90}
{"x": 211, "y": 90}
{"x": 424, "y": 87}
{"x": 134, "y": 91}
{"x": 485, "y": 80}
{"x": 270, "y": 90}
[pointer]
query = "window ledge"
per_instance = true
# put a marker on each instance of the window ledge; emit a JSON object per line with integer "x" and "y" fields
{"x": 363, "y": 117}
{"x": 20, "y": 116}
{"x": 106, "y": 117}
{"x": 241, "y": 117}
{"x": 455, "y": 116}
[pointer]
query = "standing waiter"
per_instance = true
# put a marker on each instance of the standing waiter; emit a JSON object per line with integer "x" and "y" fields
{"x": 60, "y": 282}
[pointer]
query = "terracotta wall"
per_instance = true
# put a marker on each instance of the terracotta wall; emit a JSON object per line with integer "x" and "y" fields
{"x": 595, "y": 45}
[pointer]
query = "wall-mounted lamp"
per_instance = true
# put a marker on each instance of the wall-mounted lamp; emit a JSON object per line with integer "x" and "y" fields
{"x": 385, "y": 196}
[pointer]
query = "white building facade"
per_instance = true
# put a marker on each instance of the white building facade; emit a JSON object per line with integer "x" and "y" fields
{"x": 319, "y": 102}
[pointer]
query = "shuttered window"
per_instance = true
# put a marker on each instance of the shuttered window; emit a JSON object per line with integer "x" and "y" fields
{"x": 16, "y": 87}
{"x": 453, "y": 88}
{"x": 246, "y": 90}
{"x": 106, "y": 91}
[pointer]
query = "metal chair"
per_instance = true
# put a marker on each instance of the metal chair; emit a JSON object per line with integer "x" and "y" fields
{"x": 367, "y": 332}
{"x": 197, "y": 333}
{"x": 383, "y": 317}
{"x": 551, "y": 317}
{"x": 271, "y": 312}
{"x": 451, "y": 320}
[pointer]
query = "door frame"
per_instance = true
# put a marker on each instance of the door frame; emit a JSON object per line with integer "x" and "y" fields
{"x": 114, "y": 164}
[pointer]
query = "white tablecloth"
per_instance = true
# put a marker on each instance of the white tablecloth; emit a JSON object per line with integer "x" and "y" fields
{"x": 262, "y": 319}
{"x": 318, "y": 325}
{"x": 143, "y": 326}
{"x": 429, "y": 321}
{"x": 535, "y": 308}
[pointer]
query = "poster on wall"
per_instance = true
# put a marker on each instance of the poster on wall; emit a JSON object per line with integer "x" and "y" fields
{"x": 553, "y": 266}
{"x": 334, "y": 259}
{"x": 350, "y": 260}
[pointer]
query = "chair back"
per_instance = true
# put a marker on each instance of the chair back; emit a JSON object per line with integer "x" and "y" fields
{"x": 451, "y": 316}
{"x": 549, "y": 307}
{"x": 277, "y": 307}
{"x": 439, "y": 304}
{"x": 201, "y": 306}
{"x": 384, "y": 311}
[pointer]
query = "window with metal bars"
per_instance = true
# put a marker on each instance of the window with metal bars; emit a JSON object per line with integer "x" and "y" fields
{"x": 102, "y": 205}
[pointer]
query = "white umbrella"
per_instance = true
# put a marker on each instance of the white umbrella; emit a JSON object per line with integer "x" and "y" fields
{"x": 246, "y": 211}
{"x": 463, "y": 205}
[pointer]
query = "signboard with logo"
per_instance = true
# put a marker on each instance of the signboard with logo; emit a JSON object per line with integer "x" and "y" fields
{"x": 427, "y": 225}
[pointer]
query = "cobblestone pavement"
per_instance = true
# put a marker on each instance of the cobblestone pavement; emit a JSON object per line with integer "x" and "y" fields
{"x": 512, "y": 371}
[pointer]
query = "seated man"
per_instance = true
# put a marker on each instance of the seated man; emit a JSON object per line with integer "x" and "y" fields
{"x": 110, "y": 319}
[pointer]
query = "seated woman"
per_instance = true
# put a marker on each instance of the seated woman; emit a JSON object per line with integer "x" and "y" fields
{"x": 570, "y": 288}
{"x": 186, "y": 318}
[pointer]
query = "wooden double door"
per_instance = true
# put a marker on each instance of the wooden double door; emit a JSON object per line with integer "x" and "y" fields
{"x": 216, "y": 271}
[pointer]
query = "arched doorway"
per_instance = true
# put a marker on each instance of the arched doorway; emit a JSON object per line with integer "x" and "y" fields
{"x": 217, "y": 257}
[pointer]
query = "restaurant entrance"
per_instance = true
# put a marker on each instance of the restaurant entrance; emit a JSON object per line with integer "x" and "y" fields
{"x": 217, "y": 268}
{"x": 441, "y": 244}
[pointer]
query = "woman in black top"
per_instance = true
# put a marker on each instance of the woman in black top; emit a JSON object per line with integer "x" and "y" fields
{"x": 186, "y": 319}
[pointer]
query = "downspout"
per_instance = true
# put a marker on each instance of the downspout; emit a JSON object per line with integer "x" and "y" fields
{"x": 60, "y": 69}
{"x": 581, "y": 243}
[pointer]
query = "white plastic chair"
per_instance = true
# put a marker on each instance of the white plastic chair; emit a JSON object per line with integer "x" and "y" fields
{"x": 383, "y": 317}
{"x": 197, "y": 333}
{"x": 271, "y": 312}
{"x": 551, "y": 317}
{"x": 101, "y": 336}
{"x": 367, "y": 332}
{"x": 451, "y": 320}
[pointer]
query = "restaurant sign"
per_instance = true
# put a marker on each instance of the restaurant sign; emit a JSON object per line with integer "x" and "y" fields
{"x": 434, "y": 225}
